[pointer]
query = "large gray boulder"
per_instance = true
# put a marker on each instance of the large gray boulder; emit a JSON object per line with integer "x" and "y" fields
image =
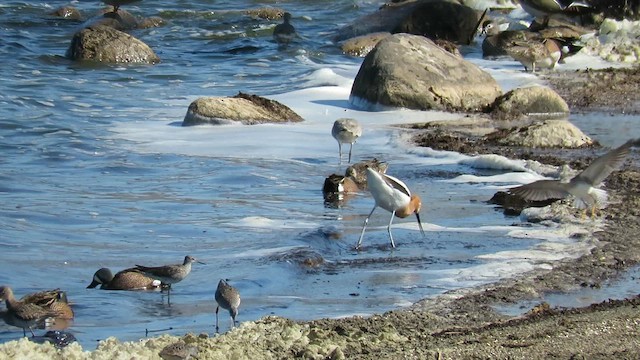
{"x": 413, "y": 72}
{"x": 244, "y": 108}
{"x": 108, "y": 45}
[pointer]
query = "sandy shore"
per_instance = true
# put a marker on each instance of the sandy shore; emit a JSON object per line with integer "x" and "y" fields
{"x": 460, "y": 324}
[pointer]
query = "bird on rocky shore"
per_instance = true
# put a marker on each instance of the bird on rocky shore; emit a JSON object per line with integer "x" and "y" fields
{"x": 394, "y": 196}
{"x": 179, "y": 350}
{"x": 584, "y": 186}
{"x": 128, "y": 279}
{"x": 545, "y": 8}
{"x": 227, "y": 298}
{"x": 284, "y": 33}
{"x": 346, "y": 131}
{"x": 536, "y": 55}
{"x": 23, "y": 314}
{"x": 117, "y": 3}
{"x": 169, "y": 274}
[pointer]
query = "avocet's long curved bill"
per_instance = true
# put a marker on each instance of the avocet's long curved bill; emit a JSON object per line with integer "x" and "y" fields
{"x": 420, "y": 224}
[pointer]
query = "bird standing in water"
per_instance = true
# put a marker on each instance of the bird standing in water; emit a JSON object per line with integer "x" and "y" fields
{"x": 394, "y": 196}
{"x": 284, "y": 33}
{"x": 346, "y": 131}
{"x": 227, "y": 298}
{"x": 583, "y": 187}
{"x": 23, "y": 314}
{"x": 169, "y": 274}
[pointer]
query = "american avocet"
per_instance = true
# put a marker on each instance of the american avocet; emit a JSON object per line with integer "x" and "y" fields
{"x": 394, "y": 196}
{"x": 117, "y": 3}
{"x": 128, "y": 279}
{"x": 346, "y": 131}
{"x": 169, "y": 274}
{"x": 583, "y": 186}
{"x": 227, "y": 298}
{"x": 284, "y": 33}
{"x": 23, "y": 314}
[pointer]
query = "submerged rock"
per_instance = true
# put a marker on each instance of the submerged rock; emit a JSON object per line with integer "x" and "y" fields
{"x": 244, "y": 108}
{"x": 546, "y": 134}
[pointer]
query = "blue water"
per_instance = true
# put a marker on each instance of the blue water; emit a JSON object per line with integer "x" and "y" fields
{"x": 96, "y": 172}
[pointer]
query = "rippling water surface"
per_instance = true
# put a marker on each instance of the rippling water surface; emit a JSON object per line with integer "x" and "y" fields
{"x": 96, "y": 172}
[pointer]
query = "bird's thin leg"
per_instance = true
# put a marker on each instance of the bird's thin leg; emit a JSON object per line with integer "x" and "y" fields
{"x": 32, "y": 334}
{"x": 393, "y": 214}
{"x": 340, "y": 152}
{"x": 217, "y": 308}
{"x": 364, "y": 226}
{"x": 350, "y": 147}
{"x": 233, "y": 322}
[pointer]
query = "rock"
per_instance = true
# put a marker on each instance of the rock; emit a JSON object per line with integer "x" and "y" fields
{"x": 413, "y": 72}
{"x": 151, "y": 22}
{"x": 497, "y": 44}
{"x": 441, "y": 20}
{"x": 122, "y": 20}
{"x": 535, "y": 101}
{"x": 67, "y": 12}
{"x": 362, "y": 45}
{"x": 546, "y": 134}
{"x": 267, "y": 13}
{"x": 386, "y": 19}
{"x": 108, "y": 45}
{"x": 244, "y": 108}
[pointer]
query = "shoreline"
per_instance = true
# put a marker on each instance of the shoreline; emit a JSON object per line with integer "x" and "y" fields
{"x": 457, "y": 324}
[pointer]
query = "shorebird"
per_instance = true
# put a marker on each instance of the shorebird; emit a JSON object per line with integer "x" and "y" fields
{"x": 55, "y": 300}
{"x": 227, "y": 298}
{"x": 535, "y": 54}
{"x": 346, "y": 131}
{"x": 544, "y": 8}
{"x": 394, "y": 196}
{"x": 23, "y": 314}
{"x": 284, "y": 33}
{"x": 117, "y": 3}
{"x": 169, "y": 274}
{"x": 584, "y": 186}
{"x": 178, "y": 350}
{"x": 128, "y": 279}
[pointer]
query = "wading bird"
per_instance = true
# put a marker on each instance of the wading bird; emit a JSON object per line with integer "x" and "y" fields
{"x": 394, "y": 196}
{"x": 227, "y": 298}
{"x": 346, "y": 131}
{"x": 169, "y": 274}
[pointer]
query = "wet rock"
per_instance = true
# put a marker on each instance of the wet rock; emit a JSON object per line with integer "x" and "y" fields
{"x": 303, "y": 257}
{"x": 266, "y": 13}
{"x": 151, "y": 22}
{"x": 122, "y": 20}
{"x": 67, "y": 12}
{"x": 108, "y": 45}
{"x": 546, "y": 134}
{"x": 245, "y": 108}
{"x": 540, "y": 102}
{"x": 387, "y": 18}
{"x": 496, "y": 45}
{"x": 362, "y": 45}
{"x": 444, "y": 20}
{"x": 413, "y": 72}
{"x": 59, "y": 339}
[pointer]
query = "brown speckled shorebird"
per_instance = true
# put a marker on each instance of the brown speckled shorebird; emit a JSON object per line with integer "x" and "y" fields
{"x": 117, "y": 3}
{"x": 169, "y": 274}
{"x": 128, "y": 279}
{"x": 56, "y": 300}
{"x": 178, "y": 350}
{"x": 227, "y": 298}
{"x": 535, "y": 55}
{"x": 346, "y": 131}
{"x": 23, "y": 314}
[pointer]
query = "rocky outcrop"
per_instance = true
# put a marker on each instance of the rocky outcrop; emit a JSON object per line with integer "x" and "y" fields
{"x": 413, "y": 72}
{"x": 108, "y": 45}
{"x": 362, "y": 45}
{"x": 533, "y": 101}
{"x": 244, "y": 108}
{"x": 546, "y": 134}
{"x": 67, "y": 12}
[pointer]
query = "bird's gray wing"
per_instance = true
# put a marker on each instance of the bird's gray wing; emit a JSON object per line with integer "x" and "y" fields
{"x": 541, "y": 190}
{"x": 396, "y": 184}
{"x": 603, "y": 166}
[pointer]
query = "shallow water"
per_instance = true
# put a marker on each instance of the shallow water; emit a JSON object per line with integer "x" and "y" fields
{"x": 97, "y": 173}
